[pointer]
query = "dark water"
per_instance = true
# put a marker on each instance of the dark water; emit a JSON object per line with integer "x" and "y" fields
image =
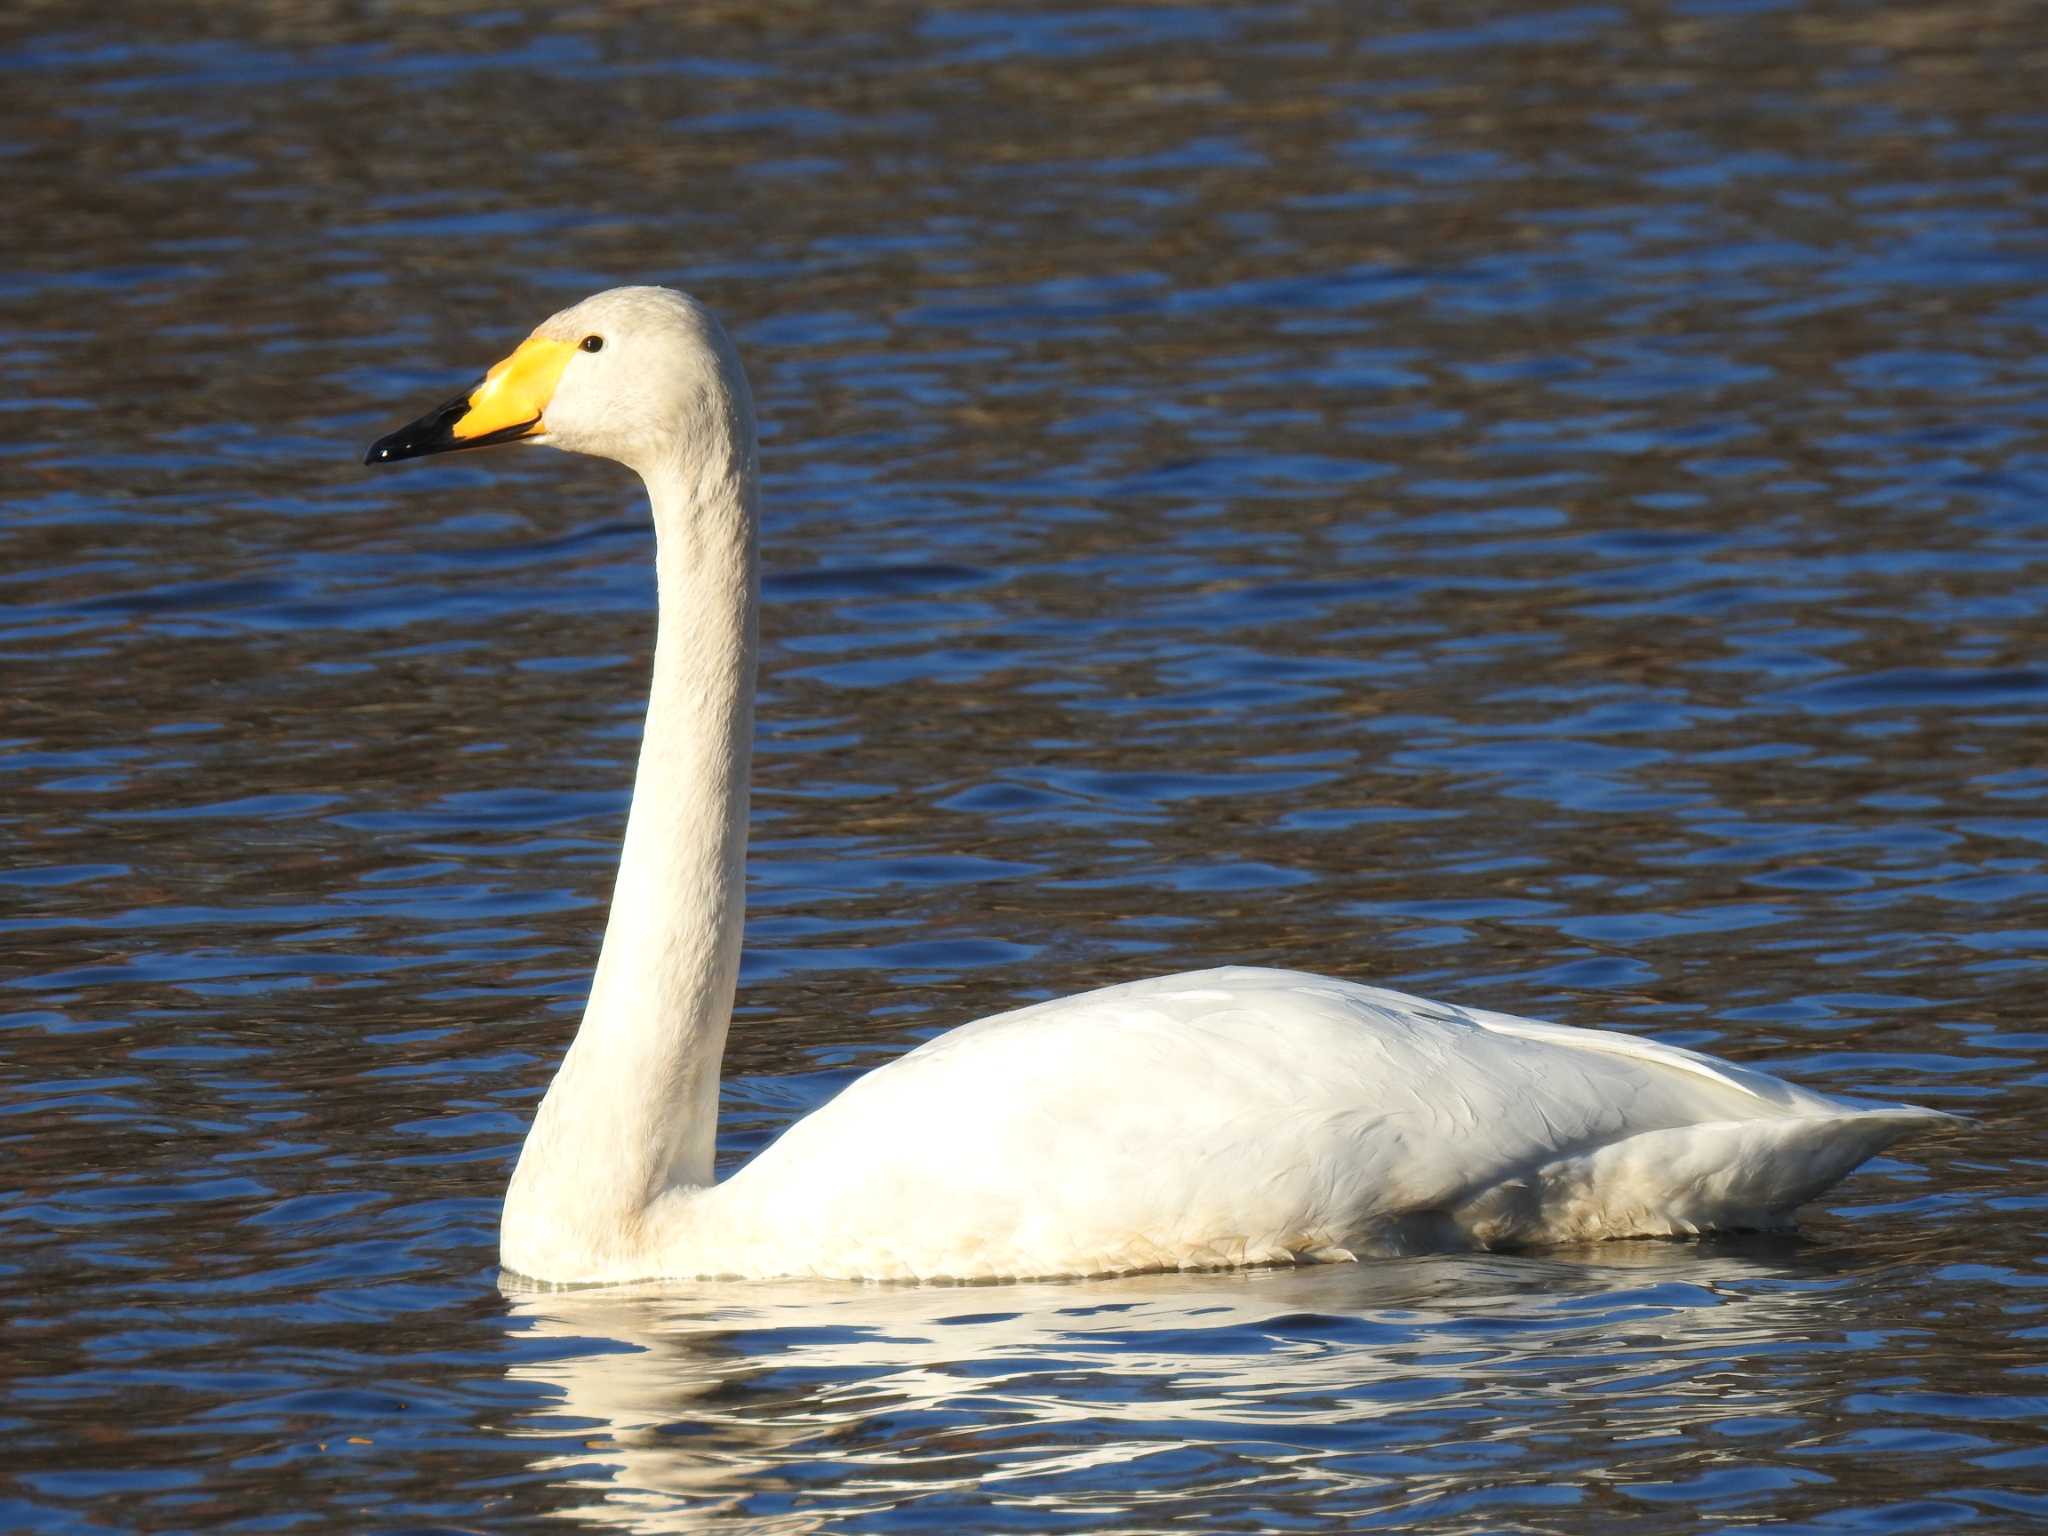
{"x": 1541, "y": 506}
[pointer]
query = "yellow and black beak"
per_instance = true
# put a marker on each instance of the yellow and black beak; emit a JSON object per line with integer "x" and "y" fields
{"x": 509, "y": 404}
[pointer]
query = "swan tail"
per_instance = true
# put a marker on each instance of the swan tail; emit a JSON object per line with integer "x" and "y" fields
{"x": 1734, "y": 1175}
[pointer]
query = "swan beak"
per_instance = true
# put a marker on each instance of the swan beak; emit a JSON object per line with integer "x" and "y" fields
{"x": 509, "y": 404}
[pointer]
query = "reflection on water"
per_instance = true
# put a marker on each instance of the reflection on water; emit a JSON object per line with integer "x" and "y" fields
{"x": 1536, "y": 505}
{"x": 1367, "y": 1394}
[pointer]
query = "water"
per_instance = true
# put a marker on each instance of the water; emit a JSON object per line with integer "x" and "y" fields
{"x": 1542, "y": 507}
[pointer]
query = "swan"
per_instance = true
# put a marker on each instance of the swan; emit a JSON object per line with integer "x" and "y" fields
{"x": 1208, "y": 1120}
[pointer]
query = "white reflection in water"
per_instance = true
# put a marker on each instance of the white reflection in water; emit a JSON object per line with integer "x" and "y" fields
{"x": 739, "y": 1400}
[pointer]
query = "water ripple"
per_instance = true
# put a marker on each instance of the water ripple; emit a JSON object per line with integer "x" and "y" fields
{"x": 1529, "y": 505}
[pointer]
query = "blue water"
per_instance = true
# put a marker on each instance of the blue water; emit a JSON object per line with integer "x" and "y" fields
{"x": 1541, "y": 507}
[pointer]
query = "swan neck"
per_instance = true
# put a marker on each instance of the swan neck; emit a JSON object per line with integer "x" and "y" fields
{"x": 633, "y": 1111}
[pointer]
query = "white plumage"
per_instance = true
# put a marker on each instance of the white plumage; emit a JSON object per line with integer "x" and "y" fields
{"x": 1217, "y": 1118}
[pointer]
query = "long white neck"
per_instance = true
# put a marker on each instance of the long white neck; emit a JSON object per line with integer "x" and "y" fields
{"x": 634, "y": 1109}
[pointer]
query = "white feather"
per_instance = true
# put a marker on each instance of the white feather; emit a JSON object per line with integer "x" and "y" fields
{"x": 1253, "y": 1116}
{"x": 1219, "y": 1118}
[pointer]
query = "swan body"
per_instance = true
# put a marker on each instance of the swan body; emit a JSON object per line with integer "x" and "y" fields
{"x": 1218, "y": 1118}
{"x": 1247, "y": 1116}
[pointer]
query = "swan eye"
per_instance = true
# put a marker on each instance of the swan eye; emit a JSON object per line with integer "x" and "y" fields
{"x": 593, "y": 343}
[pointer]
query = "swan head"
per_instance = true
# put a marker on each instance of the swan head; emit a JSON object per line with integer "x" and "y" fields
{"x": 646, "y": 376}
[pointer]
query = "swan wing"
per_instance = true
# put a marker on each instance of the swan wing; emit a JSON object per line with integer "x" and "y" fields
{"x": 1247, "y": 1116}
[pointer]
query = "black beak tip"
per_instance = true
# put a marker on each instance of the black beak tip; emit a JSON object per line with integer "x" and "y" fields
{"x": 432, "y": 433}
{"x": 407, "y": 443}
{"x": 435, "y": 433}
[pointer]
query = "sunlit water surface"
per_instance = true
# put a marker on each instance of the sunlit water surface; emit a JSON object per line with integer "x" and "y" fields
{"x": 1540, "y": 506}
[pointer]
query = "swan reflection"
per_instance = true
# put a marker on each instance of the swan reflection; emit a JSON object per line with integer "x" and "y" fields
{"x": 791, "y": 1407}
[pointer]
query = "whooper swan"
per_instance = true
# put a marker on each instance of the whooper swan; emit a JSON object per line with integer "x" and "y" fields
{"x": 1216, "y": 1118}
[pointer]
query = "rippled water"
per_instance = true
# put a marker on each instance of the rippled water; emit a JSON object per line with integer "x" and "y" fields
{"x": 1540, "y": 506}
